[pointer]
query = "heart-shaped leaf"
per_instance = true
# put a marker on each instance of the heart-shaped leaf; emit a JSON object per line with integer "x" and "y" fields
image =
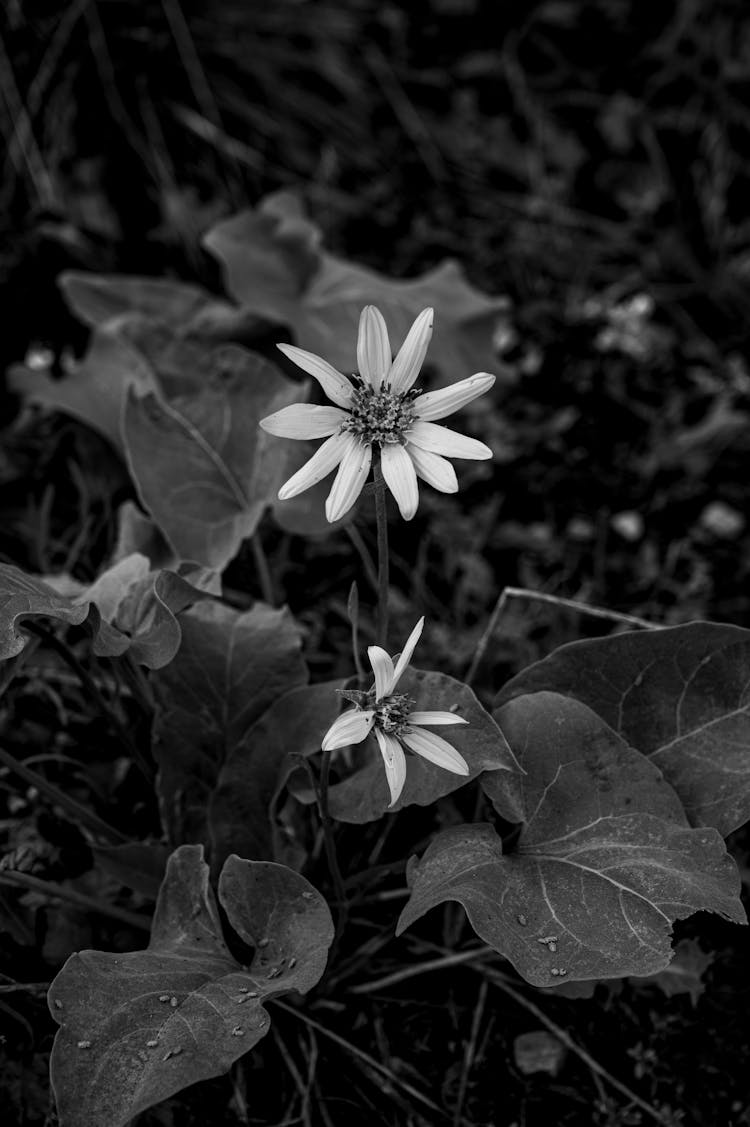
{"x": 243, "y": 805}
{"x": 275, "y": 267}
{"x": 680, "y": 695}
{"x": 129, "y": 608}
{"x": 364, "y": 795}
{"x": 135, "y": 1028}
{"x": 204, "y": 469}
{"x": 230, "y": 668}
{"x": 603, "y": 864}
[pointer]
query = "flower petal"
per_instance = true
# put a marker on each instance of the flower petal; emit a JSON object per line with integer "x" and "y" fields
{"x": 350, "y": 728}
{"x": 433, "y": 469}
{"x": 304, "y": 420}
{"x": 395, "y": 763}
{"x": 336, "y": 386}
{"x": 382, "y": 667}
{"x": 408, "y": 650}
{"x": 347, "y": 485}
{"x": 410, "y": 357}
{"x": 433, "y": 718}
{"x": 401, "y": 478}
{"x": 438, "y": 404}
{"x": 441, "y": 440}
{"x": 325, "y": 459}
{"x": 373, "y": 347}
{"x": 436, "y": 750}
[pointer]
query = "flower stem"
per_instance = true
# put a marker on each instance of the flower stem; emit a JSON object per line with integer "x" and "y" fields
{"x": 381, "y": 517}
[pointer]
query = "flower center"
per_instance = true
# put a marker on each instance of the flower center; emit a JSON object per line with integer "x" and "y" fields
{"x": 392, "y": 713}
{"x": 380, "y": 416}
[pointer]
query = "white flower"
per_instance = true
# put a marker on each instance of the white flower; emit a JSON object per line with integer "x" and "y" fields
{"x": 378, "y": 407}
{"x": 388, "y": 715}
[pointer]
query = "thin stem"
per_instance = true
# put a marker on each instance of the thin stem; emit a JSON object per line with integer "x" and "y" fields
{"x": 552, "y": 600}
{"x": 363, "y": 552}
{"x": 352, "y": 607}
{"x": 381, "y": 517}
{"x": 79, "y": 899}
{"x": 262, "y": 570}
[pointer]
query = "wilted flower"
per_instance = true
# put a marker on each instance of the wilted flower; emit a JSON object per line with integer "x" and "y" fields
{"x": 389, "y": 716}
{"x": 378, "y": 407}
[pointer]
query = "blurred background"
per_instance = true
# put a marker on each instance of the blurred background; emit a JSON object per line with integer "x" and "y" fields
{"x": 585, "y": 159}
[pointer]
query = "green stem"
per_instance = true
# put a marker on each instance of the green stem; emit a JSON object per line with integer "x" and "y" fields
{"x": 381, "y": 517}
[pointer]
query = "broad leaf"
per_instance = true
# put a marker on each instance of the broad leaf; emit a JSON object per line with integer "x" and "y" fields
{"x": 604, "y": 862}
{"x": 230, "y": 668}
{"x": 680, "y": 696}
{"x": 275, "y": 267}
{"x": 137, "y": 1027}
{"x": 24, "y": 596}
{"x": 92, "y": 389}
{"x": 130, "y": 608}
{"x": 363, "y": 796}
{"x": 242, "y": 808}
{"x": 203, "y": 467}
{"x": 97, "y": 299}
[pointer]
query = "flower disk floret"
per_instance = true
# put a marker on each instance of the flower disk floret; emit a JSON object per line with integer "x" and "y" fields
{"x": 379, "y": 408}
{"x": 394, "y": 722}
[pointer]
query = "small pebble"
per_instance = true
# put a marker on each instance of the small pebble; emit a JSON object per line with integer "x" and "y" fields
{"x": 151, "y": 1044}
{"x": 164, "y": 997}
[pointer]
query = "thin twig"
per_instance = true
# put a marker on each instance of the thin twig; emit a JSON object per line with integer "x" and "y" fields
{"x": 552, "y": 600}
{"x": 79, "y": 899}
{"x": 28, "y": 987}
{"x": 499, "y": 980}
{"x": 456, "y": 959}
{"x": 361, "y": 1055}
{"x": 470, "y": 1052}
{"x": 77, "y": 810}
{"x": 381, "y": 516}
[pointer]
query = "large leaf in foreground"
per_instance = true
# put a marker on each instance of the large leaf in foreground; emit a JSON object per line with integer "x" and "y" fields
{"x": 363, "y": 796}
{"x": 137, "y": 1027}
{"x": 204, "y": 469}
{"x": 275, "y": 267}
{"x": 230, "y": 668}
{"x": 130, "y": 608}
{"x": 679, "y": 695}
{"x": 603, "y": 865}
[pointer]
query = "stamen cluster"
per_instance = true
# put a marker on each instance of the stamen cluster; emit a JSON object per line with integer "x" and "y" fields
{"x": 392, "y": 713}
{"x": 381, "y": 416}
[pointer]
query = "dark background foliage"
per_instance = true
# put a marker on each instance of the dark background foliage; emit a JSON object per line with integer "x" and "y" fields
{"x": 585, "y": 158}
